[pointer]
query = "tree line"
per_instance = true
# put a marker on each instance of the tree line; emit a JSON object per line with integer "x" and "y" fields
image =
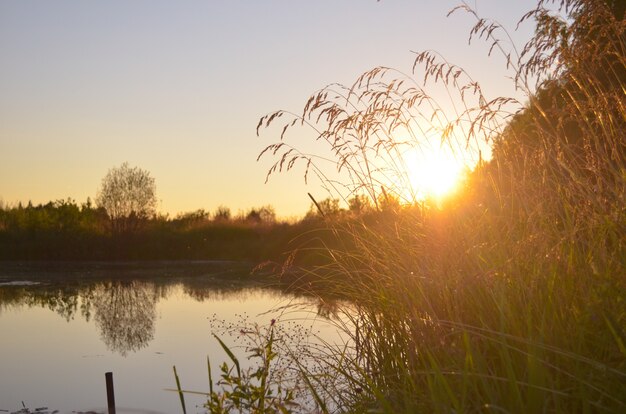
{"x": 123, "y": 223}
{"x": 67, "y": 230}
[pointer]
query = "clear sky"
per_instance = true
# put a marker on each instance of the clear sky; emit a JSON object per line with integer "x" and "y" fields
{"x": 177, "y": 87}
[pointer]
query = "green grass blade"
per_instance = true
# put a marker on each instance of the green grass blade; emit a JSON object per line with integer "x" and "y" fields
{"x": 208, "y": 364}
{"x": 230, "y": 355}
{"x": 180, "y": 391}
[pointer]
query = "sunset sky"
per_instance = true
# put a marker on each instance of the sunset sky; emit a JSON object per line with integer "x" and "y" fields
{"x": 177, "y": 87}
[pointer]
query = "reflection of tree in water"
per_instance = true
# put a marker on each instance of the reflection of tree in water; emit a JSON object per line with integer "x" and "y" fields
{"x": 201, "y": 292}
{"x": 125, "y": 313}
{"x": 60, "y": 300}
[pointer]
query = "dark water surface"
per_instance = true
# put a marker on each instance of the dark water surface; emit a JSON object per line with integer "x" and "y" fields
{"x": 62, "y": 326}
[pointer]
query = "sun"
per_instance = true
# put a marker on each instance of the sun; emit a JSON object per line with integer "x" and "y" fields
{"x": 433, "y": 172}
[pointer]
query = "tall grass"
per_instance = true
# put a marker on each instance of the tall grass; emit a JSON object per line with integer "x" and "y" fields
{"x": 510, "y": 295}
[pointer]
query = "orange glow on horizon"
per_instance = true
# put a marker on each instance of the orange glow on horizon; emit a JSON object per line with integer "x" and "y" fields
{"x": 433, "y": 172}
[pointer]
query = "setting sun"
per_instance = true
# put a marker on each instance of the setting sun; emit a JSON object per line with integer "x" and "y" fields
{"x": 433, "y": 172}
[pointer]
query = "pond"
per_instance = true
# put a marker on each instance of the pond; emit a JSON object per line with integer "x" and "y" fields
{"x": 63, "y": 326}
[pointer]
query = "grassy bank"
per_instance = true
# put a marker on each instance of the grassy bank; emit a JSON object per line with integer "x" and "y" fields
{"x": 509, "y": 296}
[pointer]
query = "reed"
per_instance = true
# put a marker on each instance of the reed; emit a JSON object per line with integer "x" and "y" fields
{"x": 509, "y": 295}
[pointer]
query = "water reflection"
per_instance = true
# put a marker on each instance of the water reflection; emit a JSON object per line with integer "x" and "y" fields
{"x": 123, "y": 307}
{"x": 125, "y": 313}
{"x": 57, "y": 330}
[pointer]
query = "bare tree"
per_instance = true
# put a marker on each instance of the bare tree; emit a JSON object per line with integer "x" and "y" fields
{"x": 128, "y": 194}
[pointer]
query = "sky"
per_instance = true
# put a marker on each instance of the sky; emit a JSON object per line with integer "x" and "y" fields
{"x": 177, "y": 87}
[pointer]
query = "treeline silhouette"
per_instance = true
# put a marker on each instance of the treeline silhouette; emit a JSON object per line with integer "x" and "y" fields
{"x": 66, "y": 230}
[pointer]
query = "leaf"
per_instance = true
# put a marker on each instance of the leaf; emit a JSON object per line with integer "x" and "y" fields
{"x": 230, "y": 355}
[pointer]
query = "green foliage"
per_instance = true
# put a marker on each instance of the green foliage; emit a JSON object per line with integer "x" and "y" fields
{"x": 65, "y": 230}
{"x": 191, "y": 219}
{"x": 39, "y": 231}
{"x": 327, "y": 208}
{"x": 256, "y": 390}
{"x": 359, "y": 204}
{"x": 508, "y": 296}
{"x": 222, "y": 213}
{"x": 265, "y": 214}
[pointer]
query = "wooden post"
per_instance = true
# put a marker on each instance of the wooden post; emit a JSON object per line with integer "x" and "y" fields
{"x": 110, "y": 393}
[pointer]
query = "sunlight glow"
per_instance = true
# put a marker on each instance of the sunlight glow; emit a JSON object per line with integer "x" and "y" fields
{"x": 433, "y": 172}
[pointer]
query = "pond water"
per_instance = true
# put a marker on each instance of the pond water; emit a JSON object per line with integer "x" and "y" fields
{"x": 63, "y": 326}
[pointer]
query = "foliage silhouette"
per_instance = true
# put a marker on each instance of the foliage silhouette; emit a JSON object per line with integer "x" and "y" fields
{"x": 128, "y": 195}
{"x": 65, "y": 230}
